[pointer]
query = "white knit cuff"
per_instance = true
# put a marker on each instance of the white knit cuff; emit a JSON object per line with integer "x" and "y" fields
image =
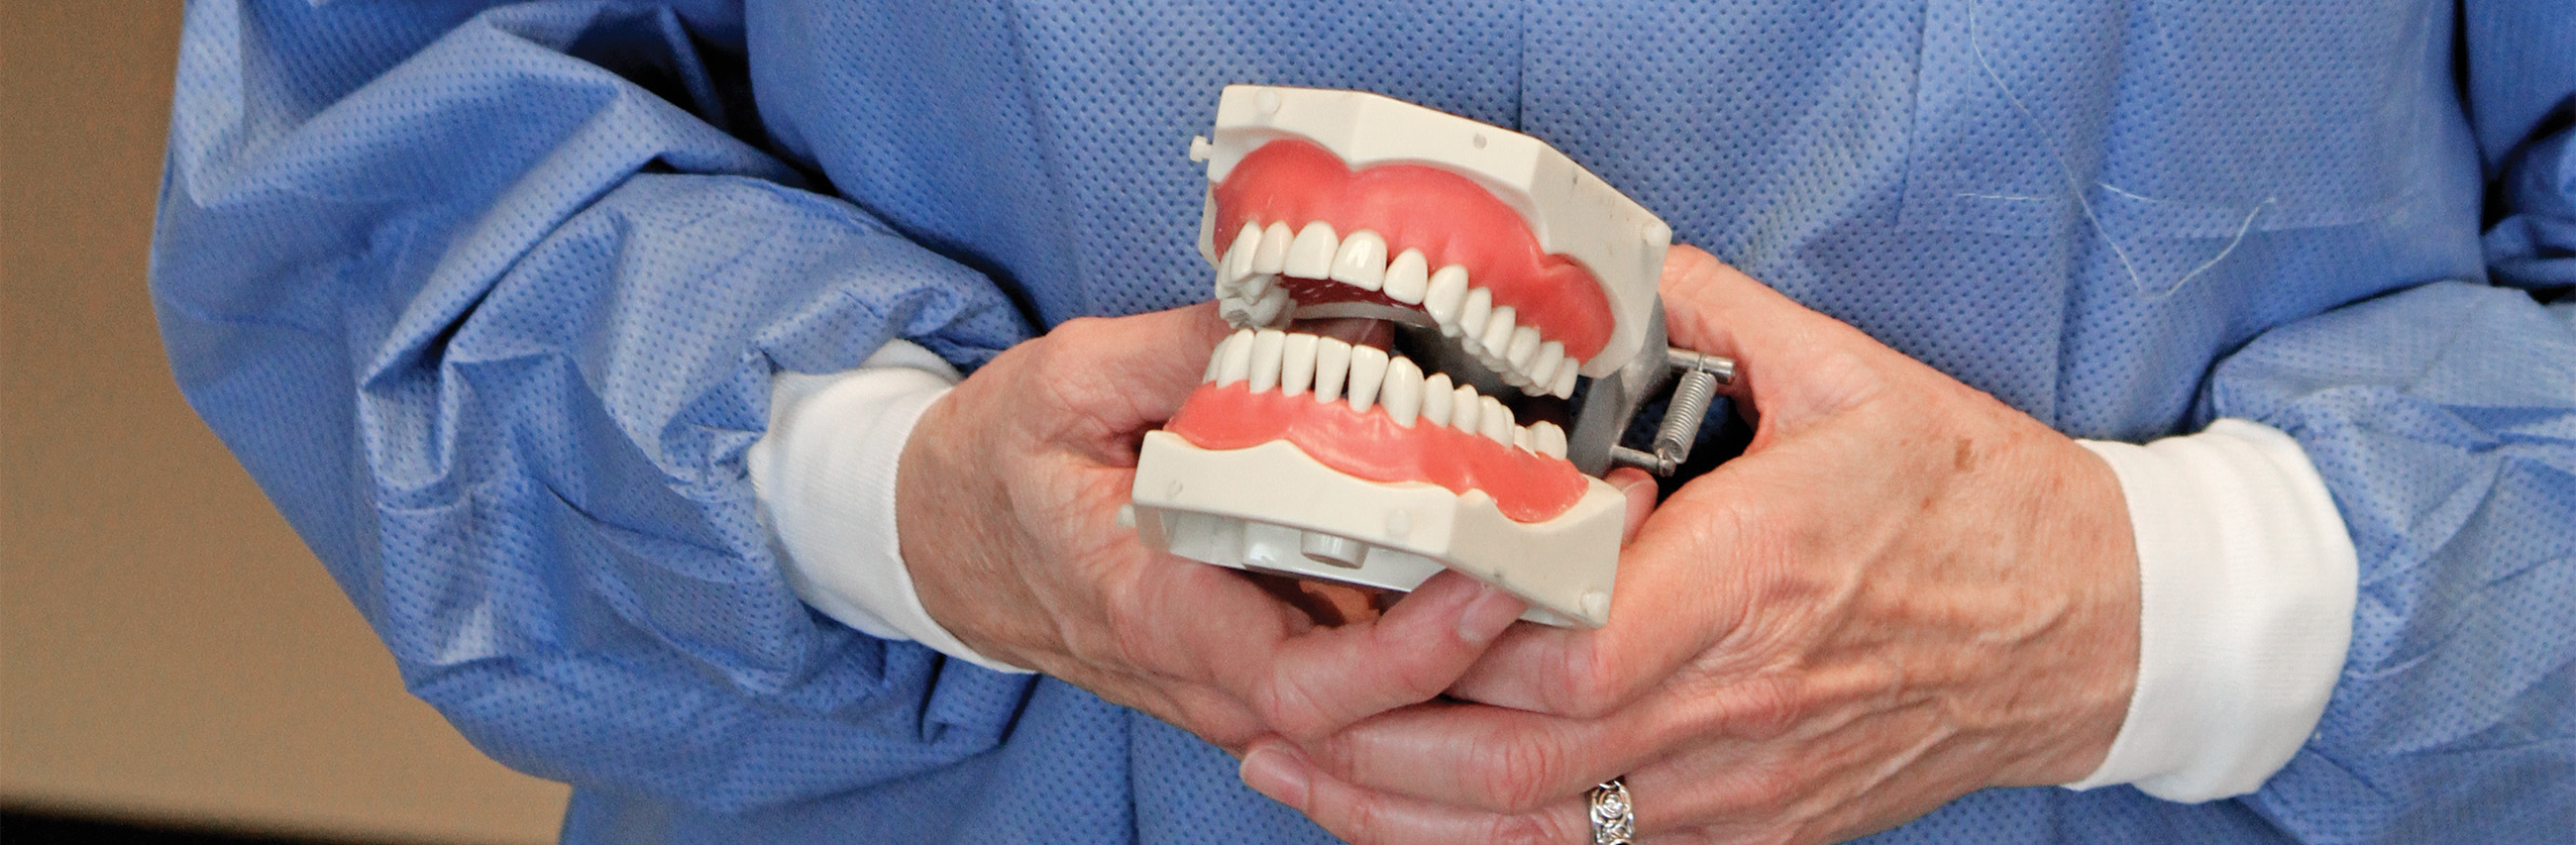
{"x": 825, "y": 477}
{"x": 2247, "y": 578}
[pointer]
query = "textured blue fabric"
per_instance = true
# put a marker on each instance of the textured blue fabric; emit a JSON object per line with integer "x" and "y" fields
{"x": 489, "y": 300}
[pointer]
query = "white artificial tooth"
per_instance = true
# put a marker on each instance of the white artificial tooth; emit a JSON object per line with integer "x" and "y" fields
{"x": 1547, "y": 439}
{"x": 1216, "y": 360}
{"x": 1310, "y": 256}
{"x": 1564, "y": 387}
{"x": 1407, "y": 277}
{"x": 1272, "y": 254}
{"x": 1271, "y": 307}
{"x": 1237, "y": 352}
{"x": 1401, "y": 394}
{"x": 1493, "y": 420}
{"x": 1524, "y": 349}
{"x": 1521, "y": 438}
{"x": 1237, "y": 264}
{"x": 1254, "y": 287}
{"x": 1297, "y": 364}
{"x": 1368, "y": 372}
{"x": 1497, "y": 336}
{"x": 1235, "y": 310}
{"x": 1446, "y": 294}
{"x": 1542, "y": 367}
{"x": 1464, "y": 409}
{"x": 1472, "y": 316}
{"x": 1435, "y": 399}
{"x": 1266, "y": 349}
{"x": 1361, "y": 260}
{"x": 1518, "y": 379}
{"x": 1332, "y": 366}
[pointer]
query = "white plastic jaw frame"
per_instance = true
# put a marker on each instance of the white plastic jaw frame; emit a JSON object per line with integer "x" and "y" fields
{"x": 1271, "y": 507}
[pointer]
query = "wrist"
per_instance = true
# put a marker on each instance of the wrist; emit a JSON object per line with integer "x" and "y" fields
{"x": 2094, "y": 656}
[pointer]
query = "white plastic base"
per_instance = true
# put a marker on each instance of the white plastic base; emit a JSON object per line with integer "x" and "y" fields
{"x": 1273, "y": 508}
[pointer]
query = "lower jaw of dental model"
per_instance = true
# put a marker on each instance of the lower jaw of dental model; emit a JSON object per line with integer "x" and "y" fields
{"x": 1407, "y": 338}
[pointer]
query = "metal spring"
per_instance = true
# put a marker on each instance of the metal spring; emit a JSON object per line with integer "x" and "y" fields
{"x": 1689, "y": 405}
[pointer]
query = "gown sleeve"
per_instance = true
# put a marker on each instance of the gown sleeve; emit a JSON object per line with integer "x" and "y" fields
{"x": 490, "y": 303}
{"x": 2443, "y": 420}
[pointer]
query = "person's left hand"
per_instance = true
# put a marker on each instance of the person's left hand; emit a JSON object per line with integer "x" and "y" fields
{"x": 1902, "y": 592}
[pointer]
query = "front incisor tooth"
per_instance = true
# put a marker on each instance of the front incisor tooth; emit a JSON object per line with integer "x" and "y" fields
{"x": 1494, "y": 421}
{"x": 1464, "y": 409}
{"x": 1266, "y": 344}
{"x": 1401, "y": 395}
{"x": 1497, "y": 336}
{"x": 1310, "y": 256}
{"x": 1297, "y": 364}
{"x": 1407, "y": 277}
{"x": 1435, "y": 399}
{"x": 1271, "y": 256}
{"x": 1472, "y": 316}
{"x": 1446, "y": 295}
{"x": 1368, "y": 371}
{"x": 1547, "y": 439}
{"x": 1564, "y": 388}
{"x": 1332, "y": 366}
{"x": 1237, "y": 355}
{"x": 1523, "y": 350}
{"x": 1361, "y": 261}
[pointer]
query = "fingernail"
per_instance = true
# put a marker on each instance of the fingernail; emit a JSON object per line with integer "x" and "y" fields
{"x": 1270, "y": 772}
{"x": 1488, "y": 614}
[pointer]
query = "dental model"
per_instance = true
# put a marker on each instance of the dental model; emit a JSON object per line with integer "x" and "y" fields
{"x": 1408, "y": 287}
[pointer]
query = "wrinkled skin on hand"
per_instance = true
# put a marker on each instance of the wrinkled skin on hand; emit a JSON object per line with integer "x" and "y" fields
{"x": 1007, "y": 500}
{"x": 1902, "y": 592}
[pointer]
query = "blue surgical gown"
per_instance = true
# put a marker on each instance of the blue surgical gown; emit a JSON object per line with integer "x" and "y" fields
{"x": 489, "y": 301}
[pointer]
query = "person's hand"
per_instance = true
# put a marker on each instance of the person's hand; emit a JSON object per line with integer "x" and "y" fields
{"x": 1902, "y": 592}
{"x": 1007, "y": 499}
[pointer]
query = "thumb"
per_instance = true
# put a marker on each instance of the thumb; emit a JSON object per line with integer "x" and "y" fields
{"x": 1136, "y": 370}
{"x": 1788, "y": 357}
{"x": 1640, "y": 490}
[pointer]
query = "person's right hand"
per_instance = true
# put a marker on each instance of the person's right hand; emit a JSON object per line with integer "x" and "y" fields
{"x": 1007, "y": 501}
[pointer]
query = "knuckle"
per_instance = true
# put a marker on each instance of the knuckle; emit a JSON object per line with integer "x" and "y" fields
{"x": 1595, "y": 686}
{"x": 1524, "y": 771}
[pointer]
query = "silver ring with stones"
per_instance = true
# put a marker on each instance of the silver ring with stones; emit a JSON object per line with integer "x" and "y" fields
{"x": 1612, "y": 823}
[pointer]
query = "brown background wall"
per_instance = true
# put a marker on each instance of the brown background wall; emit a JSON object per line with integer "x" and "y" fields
{"x": 168, "y": 649}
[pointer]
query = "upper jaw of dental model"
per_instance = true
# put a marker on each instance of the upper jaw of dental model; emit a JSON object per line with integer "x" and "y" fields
{"x": 1328, "y": 203}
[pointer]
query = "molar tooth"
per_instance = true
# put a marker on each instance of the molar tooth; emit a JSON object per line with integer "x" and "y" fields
{"x": 1436, "y": 396}
{"x": 1471, "y": 317}
{"x": 1310, "y": 256}
{"x": 1272, "y": 254}
{"x": 1252, "y": 288}
{"x": 1547, "y": 439}
{"x": 1401, "y": 394}
{"x": 1236, "y": 353}
{"x": 1236, "y": 311}
{"x": 1264, "y": 369}
{"x": 1297, "y": 364}
{"x": 1497, "y": 336}
{"x": 1564, "y": 387}
{"x": 1332, "y": 366}
{"x": 1361, "y": 262}
{"x": 1237, "y": 264}
{"x": 1464, "y": 409}
{"x": 1407, "y": 277}
{"x": 1368, "y": 371}
{"x": 1524, "y": 349}
{"x": 1446, "y": 294}
{"x": 1493, "y": 420}
{"x": 1271, "y": 307}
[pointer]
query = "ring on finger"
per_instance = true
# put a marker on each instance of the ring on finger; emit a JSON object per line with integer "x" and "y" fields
{"x": 1613, "y": 822}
